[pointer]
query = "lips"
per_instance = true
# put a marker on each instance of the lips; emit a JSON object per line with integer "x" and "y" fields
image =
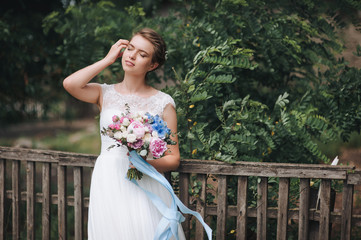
{"x": 129, "y": 63}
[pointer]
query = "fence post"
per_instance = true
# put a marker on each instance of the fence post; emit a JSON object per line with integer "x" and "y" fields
{"x": 15, "y": 198}
{"x": 46, "y": 201}
{"x": 325, "y": 209}
{"x": 262, "y": 208}
{"x": 242, "y": 197}
{"x": 78, "y": 202}
{"x": 303, "y": 226}
{"x": 62, "y": 203}
{"x": 2, "y": 198}
{"x": 30, "y": 200}
{"x": 282, "y": 216}
{"x": 184, "y": 197}
{"x": 222, "y": 207}
{"x": 201, "y": 206}
{"x": 346, "y": 214}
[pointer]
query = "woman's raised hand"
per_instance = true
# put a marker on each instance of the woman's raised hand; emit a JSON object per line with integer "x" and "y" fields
{"x": 115, "y": 51}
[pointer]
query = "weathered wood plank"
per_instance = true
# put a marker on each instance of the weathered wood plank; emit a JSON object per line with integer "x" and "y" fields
{"x": 184, "y": 197}
{"x": 78, "y": 203}
{"x": 50, "y": 156}
{"x": 262, "y": 208}
{"x": 325, "y": 211}
{"x": 221, "y": 207}
{"x": 191, "y": 166}
{"x": 62, "y": 203}
{"x": 346, "y": 214}
{"x": 282, "y": 218}
{"x": 46, "y": 201}
{"x": 201, "y": 206}
{"x": 16, "y": 199}
{"x": 242, "y": 196}
{"x": 354, "y": 178}
{"x": 30, "y": 200}
{"x": 2, "y": 197}
{"x": 304, "y": 209}
{"x": 264, "y": 170}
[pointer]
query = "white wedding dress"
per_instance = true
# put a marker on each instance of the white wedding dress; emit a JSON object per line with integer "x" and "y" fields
{"x": 118, "y": 209}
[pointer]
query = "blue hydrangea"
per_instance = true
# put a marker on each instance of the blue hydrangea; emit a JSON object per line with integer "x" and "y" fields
{"x": 158, "y": 125}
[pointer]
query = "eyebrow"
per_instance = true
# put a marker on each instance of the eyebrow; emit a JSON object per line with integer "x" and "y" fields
{"x": 139, "y": 49}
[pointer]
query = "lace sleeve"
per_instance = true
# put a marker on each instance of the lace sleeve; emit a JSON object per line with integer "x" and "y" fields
{"x": 167, "y": 99}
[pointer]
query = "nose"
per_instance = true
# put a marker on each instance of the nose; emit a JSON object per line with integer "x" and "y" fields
{"x": 132, "y": 55}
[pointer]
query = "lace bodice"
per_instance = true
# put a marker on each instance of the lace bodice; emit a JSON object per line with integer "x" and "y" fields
{"x": 115, "y": 103}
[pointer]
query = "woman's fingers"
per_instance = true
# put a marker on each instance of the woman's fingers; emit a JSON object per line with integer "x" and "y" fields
{"x": 122, "y": 42}
{"x": 116, "y": 50}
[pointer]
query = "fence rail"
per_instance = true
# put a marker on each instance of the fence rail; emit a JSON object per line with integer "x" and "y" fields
{"x": 34, "y": 182}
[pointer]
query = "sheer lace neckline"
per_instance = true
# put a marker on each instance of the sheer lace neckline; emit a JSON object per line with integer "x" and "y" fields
{"x": 134, "y": 95}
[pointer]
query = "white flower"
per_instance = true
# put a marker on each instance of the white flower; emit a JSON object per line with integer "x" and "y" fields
{"x": 155, "y": 134}
{"x": 126, "y": 122}
{"x": 143, "y": 153}
{"x": 118, "y": 135}
{"x": 123, "y": 129}
{"x": 131, "y": 138}
{"x": 147, "y": 138}
{"x": 146, "y": 129}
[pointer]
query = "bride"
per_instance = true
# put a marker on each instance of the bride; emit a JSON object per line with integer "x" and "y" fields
{"x": 118, "y": 209}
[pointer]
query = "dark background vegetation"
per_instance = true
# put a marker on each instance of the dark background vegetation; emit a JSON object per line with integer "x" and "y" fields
{"x": 253, "y": 80}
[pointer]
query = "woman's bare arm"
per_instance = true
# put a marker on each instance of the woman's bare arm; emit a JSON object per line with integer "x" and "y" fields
{"x": 77, "y": 84}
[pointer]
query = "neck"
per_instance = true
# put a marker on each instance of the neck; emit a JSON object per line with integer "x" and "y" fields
{"x": 134, "y": 83}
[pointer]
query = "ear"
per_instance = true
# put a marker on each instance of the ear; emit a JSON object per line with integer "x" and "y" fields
{"x": 153, "y": 66}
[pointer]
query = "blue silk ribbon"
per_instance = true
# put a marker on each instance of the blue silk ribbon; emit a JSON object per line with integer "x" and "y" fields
{"x": 168, "y": 225}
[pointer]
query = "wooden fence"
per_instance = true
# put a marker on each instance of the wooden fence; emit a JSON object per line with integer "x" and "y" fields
{"x": 51, "y": 186}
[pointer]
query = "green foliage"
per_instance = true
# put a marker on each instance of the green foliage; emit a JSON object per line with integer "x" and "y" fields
{"x": 255, "y": 80}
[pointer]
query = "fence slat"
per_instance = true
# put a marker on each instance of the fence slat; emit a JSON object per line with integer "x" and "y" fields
{"x": 46, "y": 201}
{"x": 15, "y": 199}
{"x": 78, "y": 203}
{"x": 62, "y": 203}
{"x": 303, "y": 209}
{"x": 262, "y": 208}
{"x": 30, "y": 200}
{"x": 242, "y": 208}
{"x": 325, "y": 211}
{"x": 346, "y": 216}
{"x": 201, "y": 206}
{"x": 282, "y": 217}
{"x": 2, "y": 198}
{"x": 184, "y": 197}
{"x": 221, "y": 207}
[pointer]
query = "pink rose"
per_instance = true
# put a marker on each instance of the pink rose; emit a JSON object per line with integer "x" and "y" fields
{"x": 157, "y": 147}
{"x": 136, "y": 128}
{"x": 115, "y": 118}
{"x": 117, "y": 126}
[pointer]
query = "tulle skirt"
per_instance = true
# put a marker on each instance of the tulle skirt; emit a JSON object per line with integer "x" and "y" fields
{"x": 118, "y": 209}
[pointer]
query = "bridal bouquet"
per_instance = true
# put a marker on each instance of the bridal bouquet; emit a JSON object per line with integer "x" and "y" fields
{"x": 148, "y": 135}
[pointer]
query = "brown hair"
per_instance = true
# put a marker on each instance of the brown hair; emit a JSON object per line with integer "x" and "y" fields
{"x": 160, "y": 48}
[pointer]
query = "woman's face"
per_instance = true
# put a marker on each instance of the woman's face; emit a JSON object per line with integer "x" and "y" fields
{"x": 137, "y": 57}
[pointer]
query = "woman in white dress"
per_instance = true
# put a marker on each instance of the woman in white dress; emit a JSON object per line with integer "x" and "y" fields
{"x": 118, "y": 209}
